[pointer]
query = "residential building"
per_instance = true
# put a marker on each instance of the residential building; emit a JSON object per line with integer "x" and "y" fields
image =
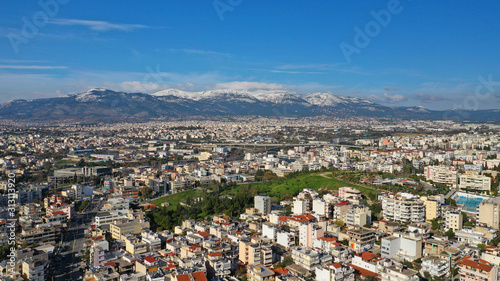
{"x": 432, "y": 207}
{"x": 471, "y": 236}
{"x": 442, "y": 174}
{"x": 474, "y": 182}
{"x": 436, "y": 265}
{"x": 306, "y": 257}
{"x": 308, "y": 233}
{"x": 258, "y": 272}
{"x": 34, "y": 269}
{"x": 361, "y": 239}
{"x": 285, "y": 239}
{"x": 263, "y": 204}
{"x": 403, "y": 207}
{"x": 334, "y": 272}
{"x": 358, "y": 215}
{"x": 489, "y": 213}
{"x": 401, "y": 247}
{"x": 453, "y": 220}
{"x": 399, "y": 273}
{"x": 254, "y": 253}
{"x": 350, "y": 194}
{"x": 476, "y": 269}
{"x": 121, "y": 228}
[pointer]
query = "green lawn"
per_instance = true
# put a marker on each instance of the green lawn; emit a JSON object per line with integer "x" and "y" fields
{"x": 282, "y": 186}
{"x": 176, "y": 198}
{"x": 277, "y": 188}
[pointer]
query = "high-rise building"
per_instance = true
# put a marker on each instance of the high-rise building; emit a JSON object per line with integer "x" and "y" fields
{"x": 309, "y": 232}
{"x": 442, "y": 174}
{"x": 403, "y": 207}
{"x": 453, "y": 220}
{"x": 263, "y": 204}
{"x": 475, "y": 182}
{"x": 489, "y": 213}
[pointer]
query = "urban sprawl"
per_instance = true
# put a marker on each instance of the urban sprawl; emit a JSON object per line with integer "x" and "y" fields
{"x": 251, "y": 199}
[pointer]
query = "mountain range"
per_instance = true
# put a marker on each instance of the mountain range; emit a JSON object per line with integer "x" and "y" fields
{"x": 103, "y": 105}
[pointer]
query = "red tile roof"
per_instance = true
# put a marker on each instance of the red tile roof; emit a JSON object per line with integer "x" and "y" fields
{"x": 337, "y": 265}
{"x": 150, "y": 259}
{"x": 479, "y": 264}
{"x": 283, "y": 218}
{"x": 328, "y": 239}
{"x": 197, "y": 276}
{"x": 215, "y": 254}
{"x": 204, "y": 234}
{"x": 367, "y": 256}
{"x": 183, "y": 277}
{"x": 363, "y": 272}
{"x": 170, "y": 266}
{"x": 194, "y": 247}
{"x": 281, "y": 271}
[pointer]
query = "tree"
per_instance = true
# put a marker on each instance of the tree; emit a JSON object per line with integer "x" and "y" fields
{"x": 450, "y": 233}
{"x": 369, "y": 278}
{"x": 435, "y": 224}
{"x": 146, "y": 192}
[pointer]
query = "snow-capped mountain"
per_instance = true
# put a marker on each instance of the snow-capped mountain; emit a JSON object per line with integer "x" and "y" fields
{"x": 103, "y": 105}
{"x": 329, "y": 99}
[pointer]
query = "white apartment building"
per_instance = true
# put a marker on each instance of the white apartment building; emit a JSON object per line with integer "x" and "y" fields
{"x": 350, "y": 194}
{"x": 397, "y": 272}
{"x": 453, "y": 220}
{"x": 263, "y": 204}
{"x": 300, "y": 206}
{"x": 436, "y": 265}
{"x": 401, "y": 247}
{"x": 103, "y": 218}
{"x": 471, "y": 236}
{"x": 306, "y": 257}
{"x": 34, "y": 269}
{"x": 334, "y": 272}
{"x": 269, "y": 230}
{"x": 403, "y": 207}
{"x": 285, "y": 239}
{"x": 358, "y": 215}
{"x": 321, "y": 207}
{"x": 441, "y": 174}
{"x": 475, "y": 182}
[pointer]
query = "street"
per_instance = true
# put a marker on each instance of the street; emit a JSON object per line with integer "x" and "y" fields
{"x": 68, "y": 265}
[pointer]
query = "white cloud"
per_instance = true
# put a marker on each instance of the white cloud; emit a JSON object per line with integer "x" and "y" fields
{"x": 386, "y": 98}
{"x": 136, "y": 86}
{"x": 98, "y": 25}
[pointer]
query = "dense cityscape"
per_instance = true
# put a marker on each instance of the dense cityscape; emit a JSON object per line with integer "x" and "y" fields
{"x": 251, "y": 199}
{"x": 238, "y": 140}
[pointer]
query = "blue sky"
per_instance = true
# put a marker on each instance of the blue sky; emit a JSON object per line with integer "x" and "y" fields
{"x": 430, "y": 53}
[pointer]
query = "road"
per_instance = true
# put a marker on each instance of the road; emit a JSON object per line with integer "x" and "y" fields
{"x": 70, "y": 267}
